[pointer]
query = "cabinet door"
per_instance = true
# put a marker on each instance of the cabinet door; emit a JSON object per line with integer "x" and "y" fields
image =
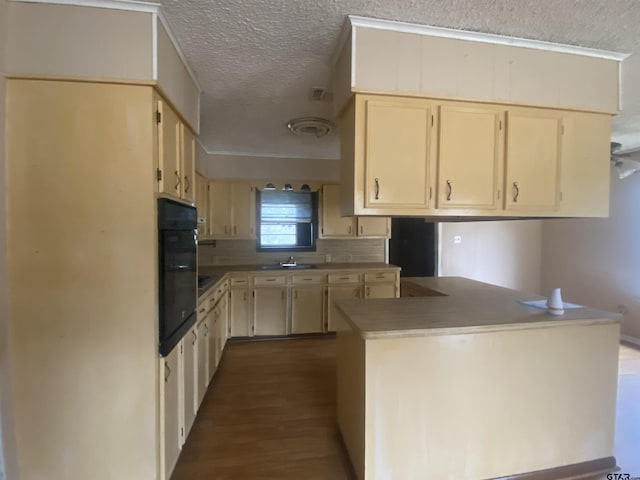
{"x": 221, "y": 328}
{"x": 243, "y": 206}
{"x": 334, "y": 293}
{"x": 374, "y": 227}
{"x": 240, "y": 312}
{"x": 202, "y": 205}
{"x": 333, "y": 225}
{"x": 470, "y": 157}
{"x": 307, "y": 309}
{"x": 188, "y": 169}
{"x": 189, "y": 363}
{"x": 203, "y": 360}
{"x": 532, "y": 153}
{"x": 169, "y": 152}
{"x": 585, "y": 176}
{"x": 172, "y": 416}
{"x": 380, "y": 290}
{"x": 397, "y": 153}
{"x": 219, "y": 209}
{"x": 270, "y": 311}
{"x": 212, "y": 318}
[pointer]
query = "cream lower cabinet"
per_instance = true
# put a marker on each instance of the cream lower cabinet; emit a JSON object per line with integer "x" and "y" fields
{"x": 270, "y": 307}
{"x": 240, "y": 311}
{"x": 381, "y": 285}
{"x": 202, "y": 369}
{"x": 190, "y": 380}
{"x": 307, "y": 308}
{"x": 172, "y": 435}
{"x": 341, "y": 287}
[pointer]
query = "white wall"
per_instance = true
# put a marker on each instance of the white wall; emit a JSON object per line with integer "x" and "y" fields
{"x": 597, "y": 261}
{"x": 237, "y": 166}
{"x": 505, "y": 253}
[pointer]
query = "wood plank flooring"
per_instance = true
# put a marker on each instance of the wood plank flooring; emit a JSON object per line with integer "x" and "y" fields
{"x": 270, "y": 414}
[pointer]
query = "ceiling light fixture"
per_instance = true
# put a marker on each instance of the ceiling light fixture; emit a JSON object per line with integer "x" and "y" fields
{"x": 316, "y": 126}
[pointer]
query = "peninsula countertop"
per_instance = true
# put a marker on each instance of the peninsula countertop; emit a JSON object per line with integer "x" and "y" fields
{"x": 457, "y": 305}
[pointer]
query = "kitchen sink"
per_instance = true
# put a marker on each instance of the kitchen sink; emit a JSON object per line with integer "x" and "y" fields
{"x": 276, "y": 266}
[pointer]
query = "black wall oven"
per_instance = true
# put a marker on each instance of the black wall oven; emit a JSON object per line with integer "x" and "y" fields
{"x": 177, "y": 237}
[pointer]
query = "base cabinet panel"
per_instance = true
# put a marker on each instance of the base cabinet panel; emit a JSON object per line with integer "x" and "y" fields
{"x": 307, "y": 309}
{"x": 270, "y": 311}
{"x": 240, "y": 312}
{"x": 334, "y": 293}
{"x": 172, "y": 424}
{"x": 189, "y": 362}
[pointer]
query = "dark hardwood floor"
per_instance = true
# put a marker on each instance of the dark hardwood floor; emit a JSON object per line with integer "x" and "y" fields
{"x": 270, "y": 414}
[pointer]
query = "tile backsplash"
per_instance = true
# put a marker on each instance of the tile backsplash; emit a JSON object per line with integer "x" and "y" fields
{"x": 241, "y": 252}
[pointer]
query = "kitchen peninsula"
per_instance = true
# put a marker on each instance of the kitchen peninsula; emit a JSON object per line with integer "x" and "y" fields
{"x": 467, "y": 383}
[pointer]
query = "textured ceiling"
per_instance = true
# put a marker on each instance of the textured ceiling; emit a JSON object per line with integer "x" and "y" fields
{"x": 257, "y": 59}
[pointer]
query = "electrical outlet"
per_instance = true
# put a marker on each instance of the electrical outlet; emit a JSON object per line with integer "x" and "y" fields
{"x": 457, "y": 239}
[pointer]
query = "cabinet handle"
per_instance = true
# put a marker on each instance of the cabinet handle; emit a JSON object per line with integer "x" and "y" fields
{"x": 270, "y": 279}
{"x": 449, "y": 190}
{"x": 430, "y": 192}
{"x": 282, "y": 294}
{"x": 295, "y": 293}
{"x": 245, "y": 295}
{"x": 195, "y": 337}
{"x": 516, "y": 192}
{"x": 368, "y": 291}
{"x": 349, "y": 230}
{"x": 361, "y": 230}
{"x": 344, "y": 278}
{"x": 167, "y": 373}
{"x": 187, "y": 184}
{"x": 226, "y": 229}
{"x": 377, "y": 189}
{"x": 178, "y": 179}
{"x": 206, "y": 329}
{"x": 201, "y": 311}
{"x": 235, "y": 229}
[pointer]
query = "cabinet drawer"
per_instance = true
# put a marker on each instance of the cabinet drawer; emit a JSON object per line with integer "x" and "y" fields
{"x": 271, "y": 280}
{"x": 239, "y": 281}
{"x": 344, "y": 278}
{"x": 372, "y": 277}
{"x": 307, "y": 279}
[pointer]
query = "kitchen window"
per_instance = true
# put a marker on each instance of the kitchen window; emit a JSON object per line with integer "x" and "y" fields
{"x": 287, "y": 221}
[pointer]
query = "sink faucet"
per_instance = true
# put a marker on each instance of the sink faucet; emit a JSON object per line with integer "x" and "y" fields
{"x": 290, "y": 262}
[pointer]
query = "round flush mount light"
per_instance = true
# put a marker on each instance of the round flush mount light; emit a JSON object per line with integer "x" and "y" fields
{"x": 313, "y": 126}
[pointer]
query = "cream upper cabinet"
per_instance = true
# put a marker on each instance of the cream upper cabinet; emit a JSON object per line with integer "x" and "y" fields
{"x": 202, "y": 204}
{"x": 532, "y": 160}
{"x": 470, "y": 156}
{"x": 585, "y": 169}
{"x": 397, "y": 152}
{"x": 188, "y": 167}
{"x": 219, "y": 209}
{"x": 231, "y": 210}
{"x": 169, "y": 151}
{"x": 374, "y": 227}
{"x": 243, "y": 210}
{"x": 334, "y": 225}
